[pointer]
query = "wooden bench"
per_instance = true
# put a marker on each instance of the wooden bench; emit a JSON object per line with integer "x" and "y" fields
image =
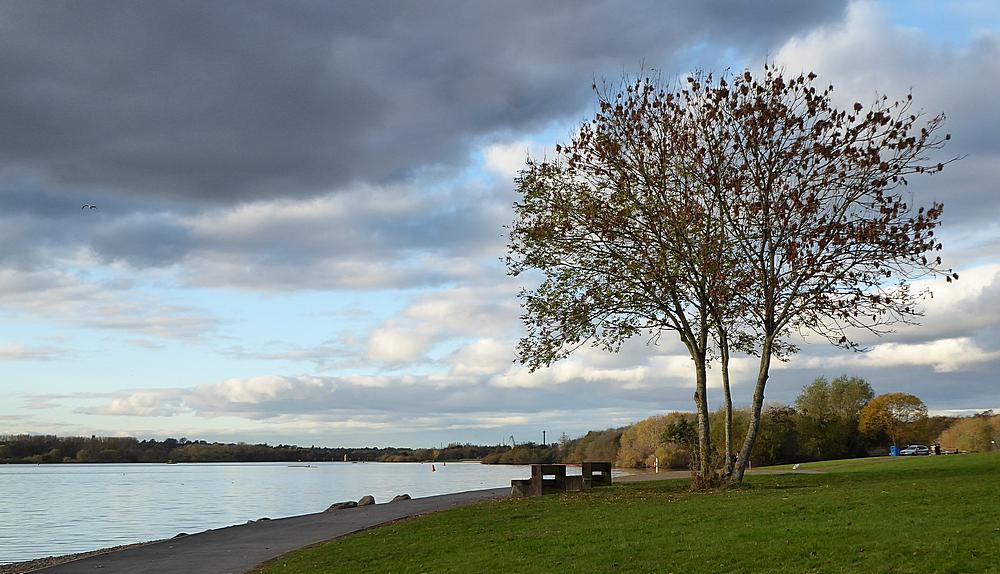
{"x": 551, "y": 478}
{"x": 599, "y": 473}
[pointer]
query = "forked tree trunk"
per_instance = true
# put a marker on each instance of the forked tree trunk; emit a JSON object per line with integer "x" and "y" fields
{"x": 755, "y": 409}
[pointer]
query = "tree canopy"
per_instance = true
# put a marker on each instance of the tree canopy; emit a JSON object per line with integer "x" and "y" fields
{"x": 735, "y": 211}
{"x": 828, "y": 414}
{"x": 887, "y": 415}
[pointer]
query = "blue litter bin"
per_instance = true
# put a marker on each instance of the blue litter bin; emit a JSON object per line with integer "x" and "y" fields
{"x": 893, "y": 450}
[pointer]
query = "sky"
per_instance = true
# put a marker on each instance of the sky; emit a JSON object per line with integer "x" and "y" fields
{"x": 301, "y": 208}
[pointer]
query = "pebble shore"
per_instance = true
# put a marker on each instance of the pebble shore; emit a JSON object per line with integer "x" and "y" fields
{"x": 39, "y": 563}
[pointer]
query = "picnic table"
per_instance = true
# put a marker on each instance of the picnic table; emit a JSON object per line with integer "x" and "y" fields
{"x": 552, "y": 478}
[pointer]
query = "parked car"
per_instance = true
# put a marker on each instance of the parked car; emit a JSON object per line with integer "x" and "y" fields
{"x": 914, "y": 450}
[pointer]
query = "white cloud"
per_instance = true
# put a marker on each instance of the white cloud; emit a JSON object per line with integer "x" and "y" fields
{"x": 482, "y": 357}
{"x": 575, "y": 369}
{"x": 262, "y": 389}
{"x": 962, "y": 308}
{"x": 866, "y": 54}
{"x": 159, "y": 403}
{"x": 507, "y": 159}
{"x": 481, "y": 311}
{"x": 492, "y": 422}
{"x": 859, "y": 51}
{"x": 112, "y": 304}
{"x": 944, "y": 356}
{"x": 450, "y": 315}
{"x": 969, "y": 303}
{"x": 395, "y": 345}
{"x": 21, "y": 352}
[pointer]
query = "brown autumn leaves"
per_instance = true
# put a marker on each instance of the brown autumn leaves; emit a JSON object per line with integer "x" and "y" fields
{"x": 735, "y": 211}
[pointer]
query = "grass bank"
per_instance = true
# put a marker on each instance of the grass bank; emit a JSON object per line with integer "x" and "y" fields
{"x": 930, "y": 514}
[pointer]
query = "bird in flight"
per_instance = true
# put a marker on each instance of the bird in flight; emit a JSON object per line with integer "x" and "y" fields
{"x": 87, "y": 205}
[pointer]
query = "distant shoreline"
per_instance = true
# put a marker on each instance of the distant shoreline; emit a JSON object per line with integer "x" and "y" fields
{"x": 288, "y": 462}
{"x": 51, "y": 449}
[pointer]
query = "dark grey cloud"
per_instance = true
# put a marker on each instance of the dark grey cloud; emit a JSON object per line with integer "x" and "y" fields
{"x": 227, "y": 101}
{"x": 37, "y": 226}
{"x": 142, "y": 240}
{"x": 362, "y": 238}
{"x": 168, "y": 114}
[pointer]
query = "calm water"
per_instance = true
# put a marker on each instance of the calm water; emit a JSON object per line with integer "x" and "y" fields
{"x": 59, "y": 509}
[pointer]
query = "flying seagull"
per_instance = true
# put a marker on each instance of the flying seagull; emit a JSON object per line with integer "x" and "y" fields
{"x": 86, "y": 205}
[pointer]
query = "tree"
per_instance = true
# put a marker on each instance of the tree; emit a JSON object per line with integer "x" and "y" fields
{"x": 777, "y": 441}
{"x": 928, "y": 430}
{"x": 622, "y": 253}
{"x": 679, "y": 442}
{"x": 816, "y": 210}
{"x": 733, "y": 211}
{"x": 639, "y": 442}
{"x": 827, "y": 417}
{"x": 976, "y": 433}
{"x": 726, "y": 423}
{"x": 889, "y": 414}
{"x": 595, "y": 445}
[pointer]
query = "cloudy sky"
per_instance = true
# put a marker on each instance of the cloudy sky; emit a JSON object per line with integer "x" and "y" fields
{"x": 301, "y": 208}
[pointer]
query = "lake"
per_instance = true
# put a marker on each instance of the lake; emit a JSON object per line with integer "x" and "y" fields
{"x": 50, "y": 510}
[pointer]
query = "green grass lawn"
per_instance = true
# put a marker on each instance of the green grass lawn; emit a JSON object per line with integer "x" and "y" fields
{"x": 928, "y": 514}
{"x": 847, "y": 464}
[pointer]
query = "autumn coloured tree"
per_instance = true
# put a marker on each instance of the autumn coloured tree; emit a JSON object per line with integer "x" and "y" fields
{"x": 622, "y": 242}
{"x": 735, "y": 211}
{"x": 976, "y": 433}
{"x": 890, "y": 414}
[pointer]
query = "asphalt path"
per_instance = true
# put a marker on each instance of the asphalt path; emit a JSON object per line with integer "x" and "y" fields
{"x": 238, "y": 549}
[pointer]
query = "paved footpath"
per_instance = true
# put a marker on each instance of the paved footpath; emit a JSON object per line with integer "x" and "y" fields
{"x": 237, "y": 549}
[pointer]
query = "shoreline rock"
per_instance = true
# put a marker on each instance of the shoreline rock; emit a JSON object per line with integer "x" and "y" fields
{"x": 341, "y": 505}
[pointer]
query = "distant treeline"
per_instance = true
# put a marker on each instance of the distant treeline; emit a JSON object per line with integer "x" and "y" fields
{"x": 38, "y": 449}
{"x": 842, "y": 418}
{"x": 834, "y": 419}
{"x": 593, "y": 446}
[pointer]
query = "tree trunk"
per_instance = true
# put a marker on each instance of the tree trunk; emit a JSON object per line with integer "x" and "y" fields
{"x": 705, "y": 469}
{"x": 728, "y": 402}
{"x": 755, "y": 409}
